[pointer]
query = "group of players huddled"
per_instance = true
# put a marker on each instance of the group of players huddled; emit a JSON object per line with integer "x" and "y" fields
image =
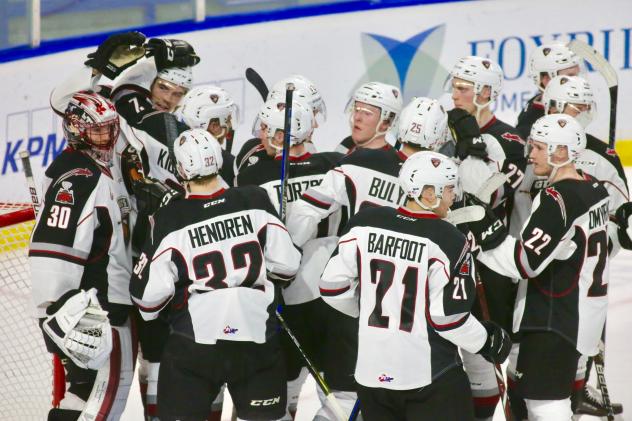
{"x": 403, "y": 281}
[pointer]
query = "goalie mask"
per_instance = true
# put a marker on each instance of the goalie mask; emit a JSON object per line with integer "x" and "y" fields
{"x": 91, "y": 124}
{"x": 205, "y": 103}
{"x": 571, "y": 95}
{"x": 198, "y": 154}
{"x": 271, "y": 120}
{"x": 549, "y": 59}
{"x": 423, "y": 123}
{"x": 304, "y": 90}
{"x": 557, "y": 130}
{"x": 427, "y": 169}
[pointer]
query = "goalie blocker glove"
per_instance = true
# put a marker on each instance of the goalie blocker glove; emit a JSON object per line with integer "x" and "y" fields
{"x": 498, "y": 345}
{"x": 466, "y": 134}
{"x": 171, "y": 53}
{"x": 80, "y": 328}
{"x": 107, "y": 62}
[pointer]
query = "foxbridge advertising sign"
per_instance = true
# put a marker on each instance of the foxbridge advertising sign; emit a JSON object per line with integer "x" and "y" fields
{"x": 410, "y": 47}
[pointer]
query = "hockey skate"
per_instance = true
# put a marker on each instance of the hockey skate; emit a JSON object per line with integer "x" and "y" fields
{"x": 587, "y": 401}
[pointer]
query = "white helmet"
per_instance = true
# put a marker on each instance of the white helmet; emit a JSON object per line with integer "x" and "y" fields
{"x": 568, "y": 90}
{"x": 272, "y": 115}
{"x": 559, "y": 130}
{"x": 427, "y": 168}
{"x": 204, "y": 103}
{"x": 550, "y": 59}
{"x": 304, "y": 90}
{"x": 180, "y": 76}
{"x": 424, "y": 123}
{"x": 197, "y": 154}
{"x": 387, "y": 97}
{"x": 481, "y": 72}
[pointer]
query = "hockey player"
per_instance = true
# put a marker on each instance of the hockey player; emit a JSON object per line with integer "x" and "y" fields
{"x": 80, "y": 262}
{"x": 256, "y": 149}
{"x": 364, "y": 178}
{"x": 485, "y": 145}
{"x": 304, "y": 309}
{"x": 561, "y": 257}
{"x": 546, "y": 62}
{"x": 381, "y": 104}
{"x": 572, "y": 95}
{"x": 414, "y": 310}
{"x": 214, "y": 257}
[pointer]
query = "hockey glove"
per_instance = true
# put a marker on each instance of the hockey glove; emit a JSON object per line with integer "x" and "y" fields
{"x": 466, "y": 134}
{"x": 498, "y": 344}
{"x": 624, "y": 221}
{"x": 117, "y": 53}
{"x": 489, "y": 231}
{"x": 80, "y": 328}
{"x": 171, "y": 53}
{"x": 151, "y": 194}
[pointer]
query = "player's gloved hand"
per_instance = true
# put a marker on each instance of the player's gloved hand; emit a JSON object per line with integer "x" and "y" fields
{"x": 171, "y": 53}
{"x": 624, "y": 221}
{"x": 151, "y": 194}
{"x": 498, "y": 344}
{"x": 117, "y": 53}
{"x": 489, "y": 231}
{"x": 466, "y": 134}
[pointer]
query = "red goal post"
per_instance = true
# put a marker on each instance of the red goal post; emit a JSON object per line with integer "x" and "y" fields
{"x": 25, "y": 365}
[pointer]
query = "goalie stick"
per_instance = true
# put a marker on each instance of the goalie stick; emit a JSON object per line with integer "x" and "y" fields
{"x": 59, "y": 375}
{"x": 605, "y": 69}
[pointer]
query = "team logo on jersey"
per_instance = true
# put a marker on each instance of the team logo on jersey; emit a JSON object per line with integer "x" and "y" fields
{"x": 465, "y": 268}
{"x": 214, "y": 98}
{"x": 435, "y": 162}
{"x": 230, "y": 330}
{"x": 385, "y": 379}
{"x": 65, "y": 194}
{"x": 558, "y": 198}
{"x": 253, "y": 160}
{"x": 611, "y": 152}
{"x": 512, "y": 137}
{"x": 77, "y": 171}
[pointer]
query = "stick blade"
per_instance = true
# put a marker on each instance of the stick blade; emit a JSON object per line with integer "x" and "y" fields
{"x": 596, "y": 60}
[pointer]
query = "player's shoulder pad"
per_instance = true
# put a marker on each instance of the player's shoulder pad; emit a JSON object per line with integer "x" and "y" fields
{"x": 246, "y": 147}
{"x": 502, "y": 130}
{"x": 332, "y": 158}
{"x": 74, "y": 176}
{"x": 384, "y": 160}
{"x": 252, "y": 197}
{"x": 601, "y": 148}
{"x": 553, "y": 204}
{"x": 370, "y": 216}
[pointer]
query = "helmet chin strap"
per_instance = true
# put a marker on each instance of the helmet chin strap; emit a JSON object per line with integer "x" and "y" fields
{"x": 428, "y": 208}
{"x": 375, "y": 136}
{"x": 555, "y": 167}
{"x": 479, "y": 108}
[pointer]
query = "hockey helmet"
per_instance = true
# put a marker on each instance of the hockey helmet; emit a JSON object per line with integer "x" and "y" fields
{"x": 424, "y": 169}
{"x": 387, "y": 98}
{"x": 197, "y": 154}
{"x": 481, "y": 72}
{"x": 423, "y": 123}
{"x": 272, "y": 117}
{"x": 179, "y": 76}
{"x": 550, "y": 59}
{"x": 570, "y": 91}
{"x": 304, "y": 90}
{"x": 559, "y": 130}
{"x": 204, "y": 103}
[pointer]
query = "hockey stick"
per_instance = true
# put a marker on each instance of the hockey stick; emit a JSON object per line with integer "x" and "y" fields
{"x": 474, "y": 212}
{"x": 256, "y": 80}
{"x": 59, "y": 375}
{"x": 285, "y": 159}
{"x": 599, "y": 363}
{"x": 500, "y": 379}
{"x": 340, "y": 414}
{"x": 605, "y": 69}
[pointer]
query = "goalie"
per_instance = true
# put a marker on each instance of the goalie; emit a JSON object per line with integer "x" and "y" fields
{"x": 80, "y": 262}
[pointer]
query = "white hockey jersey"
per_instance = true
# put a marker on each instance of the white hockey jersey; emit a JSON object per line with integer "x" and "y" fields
{"x": 416, "y": 277}
{"x": 82, "y": 234}
{"x": 213, "y": 257}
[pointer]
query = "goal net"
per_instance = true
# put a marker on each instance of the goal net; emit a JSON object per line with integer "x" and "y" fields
{"x": 25, "y": 365}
